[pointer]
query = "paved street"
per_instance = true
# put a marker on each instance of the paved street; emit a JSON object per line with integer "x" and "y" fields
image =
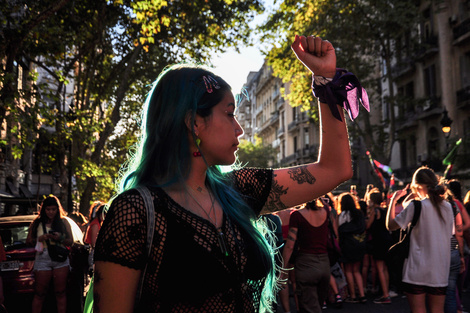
{"x": 399, "y": 305}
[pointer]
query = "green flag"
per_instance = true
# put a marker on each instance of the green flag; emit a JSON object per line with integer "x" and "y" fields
{"x": 450, "y": 158}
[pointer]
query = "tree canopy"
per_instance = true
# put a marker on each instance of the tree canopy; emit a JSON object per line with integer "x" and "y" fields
{"x": 362, "y": 36}
{"x": 100, "y": 58}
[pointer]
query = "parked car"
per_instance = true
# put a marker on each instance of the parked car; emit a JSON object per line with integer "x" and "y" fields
{"x": 17, "y": 270}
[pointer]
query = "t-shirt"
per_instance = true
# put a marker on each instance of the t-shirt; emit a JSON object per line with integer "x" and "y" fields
{"x": 187, "y": 270}
{"x": 310, "y": 239}
{"x": 95, "y": 221}
{"x": 428, "y": 263}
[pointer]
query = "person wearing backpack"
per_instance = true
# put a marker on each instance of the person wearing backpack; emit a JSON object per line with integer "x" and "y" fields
{"x": 426, "y": 270}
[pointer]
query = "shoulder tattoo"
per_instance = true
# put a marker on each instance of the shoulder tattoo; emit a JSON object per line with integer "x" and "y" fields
{"x": 301, "y": 175}
{"x": 274, "y": 202}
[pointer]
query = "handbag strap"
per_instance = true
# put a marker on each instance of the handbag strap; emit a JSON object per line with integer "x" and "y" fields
{"x": 45, "y": 232}
{"x": 416, "y": 214}
{"x": 149, "y": 206}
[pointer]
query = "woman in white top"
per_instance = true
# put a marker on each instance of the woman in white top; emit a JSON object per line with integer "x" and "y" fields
{"x": 426, "y": 271}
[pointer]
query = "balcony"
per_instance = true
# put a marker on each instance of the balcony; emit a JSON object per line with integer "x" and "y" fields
{"x": 429, "y": 47}
{"x": 276, "y": 93}
{"x": 290, "y": 159}
{"x": 274, "y": 117}
{"x": 463, "y": 98}
{"x": 462, "y": 32}
{"x": 279, "y": 103}
{"x": 403, "y": 68}
{"x": 294, "y": 125}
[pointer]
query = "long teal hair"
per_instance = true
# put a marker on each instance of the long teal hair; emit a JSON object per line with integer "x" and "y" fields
{"x": 162, "y": 157}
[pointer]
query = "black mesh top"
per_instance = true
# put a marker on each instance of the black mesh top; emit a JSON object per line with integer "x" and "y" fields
{"x": 187, "y": 271}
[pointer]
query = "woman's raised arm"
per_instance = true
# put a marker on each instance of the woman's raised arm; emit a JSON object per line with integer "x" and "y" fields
{"x": 300, "y": 184}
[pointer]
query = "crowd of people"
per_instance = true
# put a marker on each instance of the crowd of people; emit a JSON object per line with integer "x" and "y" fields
{"x": 207, "y": 250}
{"x": 368, "y": 224}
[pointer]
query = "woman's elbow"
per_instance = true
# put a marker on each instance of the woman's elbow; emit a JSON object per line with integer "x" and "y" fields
{"x": 348, "y": 173}
{"x": 344, "y": 174}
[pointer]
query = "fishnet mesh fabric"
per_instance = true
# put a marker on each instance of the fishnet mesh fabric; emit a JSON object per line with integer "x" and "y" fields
{"x": 187, "y": 271}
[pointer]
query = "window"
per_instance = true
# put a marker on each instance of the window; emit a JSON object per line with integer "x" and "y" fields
{"x": 306, "y": 138}
{"x": 433, "y": 144}
{"x": 412, "y": 151}
{"x": 465, "y": 70}
{"x": 430, "y": 81}
{"x": 403, "y": 157}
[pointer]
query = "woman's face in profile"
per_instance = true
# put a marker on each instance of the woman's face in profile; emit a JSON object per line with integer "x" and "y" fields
{"x": 219, "y": 133}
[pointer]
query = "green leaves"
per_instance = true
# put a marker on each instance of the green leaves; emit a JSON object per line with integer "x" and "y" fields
{"x": 256, "y": 154}
{"x": 95, "y": 62}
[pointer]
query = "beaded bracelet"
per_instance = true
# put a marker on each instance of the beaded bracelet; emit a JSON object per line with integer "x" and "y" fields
{"x": 344, "y": 90}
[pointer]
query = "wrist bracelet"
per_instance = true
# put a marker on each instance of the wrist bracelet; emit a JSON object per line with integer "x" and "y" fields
{"x": 344, "y": 90}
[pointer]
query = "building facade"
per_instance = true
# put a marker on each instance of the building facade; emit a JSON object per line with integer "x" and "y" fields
{"x": 437, "y": 78}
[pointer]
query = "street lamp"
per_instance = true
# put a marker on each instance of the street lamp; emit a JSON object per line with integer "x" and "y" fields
{"x": 445, "y": 123}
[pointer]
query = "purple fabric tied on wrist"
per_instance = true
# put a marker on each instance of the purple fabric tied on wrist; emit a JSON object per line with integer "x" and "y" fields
{"x": 344, "y": 90}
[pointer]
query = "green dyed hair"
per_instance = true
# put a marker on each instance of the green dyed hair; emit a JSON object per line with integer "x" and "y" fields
{"x": 163, "y": 154}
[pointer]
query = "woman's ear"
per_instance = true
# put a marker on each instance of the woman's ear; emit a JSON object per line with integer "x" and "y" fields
{"x": 190, "y": 122}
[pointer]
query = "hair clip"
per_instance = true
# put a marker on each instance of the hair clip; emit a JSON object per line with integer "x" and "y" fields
{"x": 210, "y": 82}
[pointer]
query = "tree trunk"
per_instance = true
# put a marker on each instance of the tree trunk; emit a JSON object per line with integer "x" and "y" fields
{"x": 87, "y": 195}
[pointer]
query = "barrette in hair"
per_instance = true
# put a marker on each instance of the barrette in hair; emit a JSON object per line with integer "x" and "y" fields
{"x": 210, "y": 83}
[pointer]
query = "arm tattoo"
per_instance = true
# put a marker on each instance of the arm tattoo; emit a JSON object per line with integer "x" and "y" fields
{"x": 301, "y": 175}
{"x": 274, "y": 202}
{"x": 290, "y": 238}
{"x": 459, "y": 228}
{"x": 293, "y": 231}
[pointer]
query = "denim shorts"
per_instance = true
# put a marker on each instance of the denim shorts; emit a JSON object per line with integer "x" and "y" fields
{"x": 43, "y": 262}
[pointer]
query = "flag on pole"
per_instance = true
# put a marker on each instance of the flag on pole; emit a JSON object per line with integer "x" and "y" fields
{"x": 383, "y": 167}
{"x": 377, "y": 171}
{"x": 450, "y": 159}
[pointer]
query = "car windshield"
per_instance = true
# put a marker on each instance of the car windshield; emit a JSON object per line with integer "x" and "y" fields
{"x": 14, "y": 236}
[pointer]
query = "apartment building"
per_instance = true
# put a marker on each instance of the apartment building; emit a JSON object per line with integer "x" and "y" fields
{"x": 266, "y": 114}
{"x": 439, "y": 78}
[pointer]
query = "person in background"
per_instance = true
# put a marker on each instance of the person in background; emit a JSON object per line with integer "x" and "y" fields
{"x": 457, "y": 262}
{"x": 351, "y": 230}
{"x": 381, "y": 241}
{"x": 80, "y": 220}
{"x": 426, "y": 270}
{"x": 95, "y": 216}
{"x": 209, "y": 252}
{"x": 290, "y": 281}
{"x": 3, "y": 257}
{"x": 328, "y": 202}
{"x": 309, "y": 228}
{"x": 51, "y": 218}
{"x": 465, "y": 283}
{"x": 369, "y": 269}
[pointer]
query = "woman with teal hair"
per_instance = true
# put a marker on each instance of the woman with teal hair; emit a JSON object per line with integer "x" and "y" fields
{"x": 210, "y": 252}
